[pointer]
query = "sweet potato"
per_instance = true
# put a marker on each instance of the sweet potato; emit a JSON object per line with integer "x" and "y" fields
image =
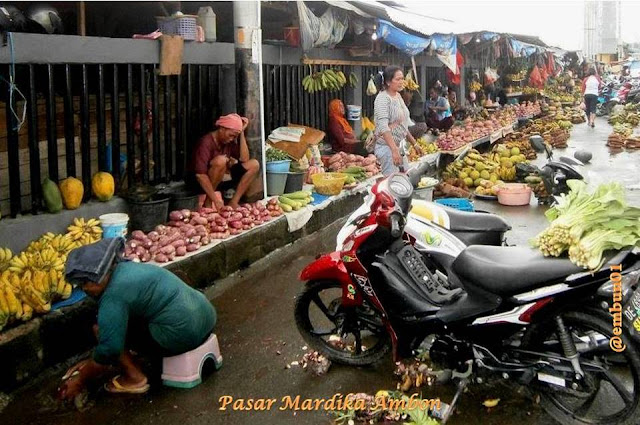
{"x": 217, "y": 229}
{"x": 176, "y": 216}
{"x": 195, "y": 239}
{"x": 167, "y": 250}
{"x": 160, "y": 258}
{"x": 181, "y": 251}
{"x": 178, "y": 243}
{"x": 153, "y": 235}
{"x": 233, "y": 231}
{"x": 161, "y": 229}
{"x": 198, "y": 220}
{"x": 146, "y": 257}
{"x": 235, "y": 224}
{"x": 193, "y": 247}
{"x": 186, "y": 213}
{"x": 236, "y": 216}
{"x": 138, "y": 234}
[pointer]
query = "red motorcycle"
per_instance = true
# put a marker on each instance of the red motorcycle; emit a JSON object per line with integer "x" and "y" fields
{"x": 504, "y": 314}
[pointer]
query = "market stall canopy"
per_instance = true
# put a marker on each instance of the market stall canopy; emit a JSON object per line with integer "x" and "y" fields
{"x": 324, "y": 31}
{"x": 422, "y": 24}
{"x": 445, "y": 46}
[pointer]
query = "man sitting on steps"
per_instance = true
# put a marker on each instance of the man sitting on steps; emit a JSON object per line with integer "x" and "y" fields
{"x": 224, "y": 153}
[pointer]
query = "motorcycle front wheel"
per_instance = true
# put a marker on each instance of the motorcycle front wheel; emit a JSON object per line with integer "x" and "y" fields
{"x": 348, "y": 335}
{"x": 612, "y": 380}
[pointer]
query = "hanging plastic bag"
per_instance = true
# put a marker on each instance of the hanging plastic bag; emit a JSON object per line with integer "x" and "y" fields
{"x": 490, "y": 76}
{"x": 535, "y": 78}
{"x": 371, "y": 87}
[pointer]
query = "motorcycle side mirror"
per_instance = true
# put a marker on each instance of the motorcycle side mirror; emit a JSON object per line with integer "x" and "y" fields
{"x": 570, "y": 161}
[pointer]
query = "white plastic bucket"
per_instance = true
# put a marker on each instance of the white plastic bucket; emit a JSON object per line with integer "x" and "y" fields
{"x": 114, "y": 225}
{"x": 354, "y": 112}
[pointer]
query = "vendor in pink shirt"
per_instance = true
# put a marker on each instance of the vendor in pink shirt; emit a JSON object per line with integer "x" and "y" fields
{"x": 219, "y": 154}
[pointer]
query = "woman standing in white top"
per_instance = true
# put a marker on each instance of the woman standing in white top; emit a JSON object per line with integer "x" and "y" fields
{"x": 590, "y": 90}
{"x": 392, "y": 121}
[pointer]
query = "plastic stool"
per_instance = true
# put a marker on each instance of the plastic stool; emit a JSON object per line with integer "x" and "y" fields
{"x": 185, "y": 370}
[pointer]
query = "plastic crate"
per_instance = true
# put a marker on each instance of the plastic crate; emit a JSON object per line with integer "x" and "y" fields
{"x": 457, "y": 203}
{"x": 184, "y": 26}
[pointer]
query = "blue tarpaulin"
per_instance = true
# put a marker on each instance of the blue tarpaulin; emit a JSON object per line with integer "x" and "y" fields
{"x": 523, "y": 49}
{"x": 408, "y": 43}
{"x": 444, "y": 45}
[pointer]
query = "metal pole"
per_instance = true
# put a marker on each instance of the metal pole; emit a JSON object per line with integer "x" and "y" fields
{"x": 249, "y": 93}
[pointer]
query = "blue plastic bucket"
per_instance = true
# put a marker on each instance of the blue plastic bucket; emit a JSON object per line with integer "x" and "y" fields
{"x": 114, "y": 225}
{"x": 278, "y": 166}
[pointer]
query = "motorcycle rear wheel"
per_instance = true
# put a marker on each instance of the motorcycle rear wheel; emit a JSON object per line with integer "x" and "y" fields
{"x": 358, "y": 322}
{"x": 586, "y": 329}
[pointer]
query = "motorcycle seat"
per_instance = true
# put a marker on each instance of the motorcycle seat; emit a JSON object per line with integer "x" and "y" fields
{"x": 463, "y": 221}
{"x": 510, "y": 270}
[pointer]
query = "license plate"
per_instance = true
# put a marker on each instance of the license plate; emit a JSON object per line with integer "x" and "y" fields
{"x": 631, "y": 314}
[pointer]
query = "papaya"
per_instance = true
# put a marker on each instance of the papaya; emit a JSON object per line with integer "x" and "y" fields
{"x": 72, "y": 191}
{"x": 51, "y": 195}
{"x": 103, "y": 186}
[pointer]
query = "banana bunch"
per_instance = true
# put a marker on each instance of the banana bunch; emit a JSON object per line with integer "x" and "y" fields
{"x": 11, "y": 307}
{"x": 329, "y": 79}
{"x": 5, "y": 258}
{"x": 507, "y": 173}
{"x": 410, "y": 84}
{"x": 353, "y": 80}
{"x": 20, "y": 297}
{"x": 85, "y": 232}
{"x": 43, "y": 260}
{"x": 475, "y": 86}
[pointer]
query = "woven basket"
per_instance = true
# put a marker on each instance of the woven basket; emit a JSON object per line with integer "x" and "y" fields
{"x": 184, "y": 26}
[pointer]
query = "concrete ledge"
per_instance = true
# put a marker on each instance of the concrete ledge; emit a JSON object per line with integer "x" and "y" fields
{"x": 17, "y": 233}
{"x": 47, "y": 340}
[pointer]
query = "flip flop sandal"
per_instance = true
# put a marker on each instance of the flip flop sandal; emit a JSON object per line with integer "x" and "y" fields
{"x": 117, "y": 388}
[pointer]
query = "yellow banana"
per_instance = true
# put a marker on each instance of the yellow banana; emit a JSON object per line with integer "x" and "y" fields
{"x": 67, "y": 291}
{"x": 62, "y": 284}
{"x": 4, "y": 306}
{"x": 15, "y": 307}
{"x": 27, "y": 312}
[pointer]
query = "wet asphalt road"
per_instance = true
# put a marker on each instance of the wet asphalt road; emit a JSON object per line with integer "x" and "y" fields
{"x": 258, "y": 339}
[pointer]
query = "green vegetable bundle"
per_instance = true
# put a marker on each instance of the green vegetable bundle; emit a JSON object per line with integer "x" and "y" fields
{"x": 588, "y": 224}
{"x": 274, "y": 154}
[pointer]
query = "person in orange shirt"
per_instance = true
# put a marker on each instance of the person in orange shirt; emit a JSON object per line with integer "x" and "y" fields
{"x": 341, "y": 134}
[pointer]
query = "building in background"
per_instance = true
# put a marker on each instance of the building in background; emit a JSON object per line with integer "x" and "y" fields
{"x": 602, "y": 28}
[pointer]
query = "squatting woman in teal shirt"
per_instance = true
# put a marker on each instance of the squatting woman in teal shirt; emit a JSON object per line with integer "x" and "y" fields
{"x": 141, "y": 307}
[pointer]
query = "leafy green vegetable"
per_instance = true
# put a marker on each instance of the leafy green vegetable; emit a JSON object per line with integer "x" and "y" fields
{"x": 274, "y": 154}
{"x": 587, "y": 224}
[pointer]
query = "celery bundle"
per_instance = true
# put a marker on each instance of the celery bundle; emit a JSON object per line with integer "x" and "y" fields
{"x": 588, "y": 224}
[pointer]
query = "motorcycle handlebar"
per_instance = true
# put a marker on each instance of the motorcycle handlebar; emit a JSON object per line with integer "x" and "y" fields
{"x": 395, "y": 219}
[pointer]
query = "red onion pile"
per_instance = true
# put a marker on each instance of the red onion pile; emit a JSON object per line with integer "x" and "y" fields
{"x": 188, "y": 231}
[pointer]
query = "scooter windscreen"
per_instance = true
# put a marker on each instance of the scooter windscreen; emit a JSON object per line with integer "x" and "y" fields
{"x": 401, "y": 189}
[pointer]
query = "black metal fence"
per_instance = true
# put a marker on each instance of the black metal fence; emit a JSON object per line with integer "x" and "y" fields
{"x": 89, "y": 117}
{"x": 286, "y": 101}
